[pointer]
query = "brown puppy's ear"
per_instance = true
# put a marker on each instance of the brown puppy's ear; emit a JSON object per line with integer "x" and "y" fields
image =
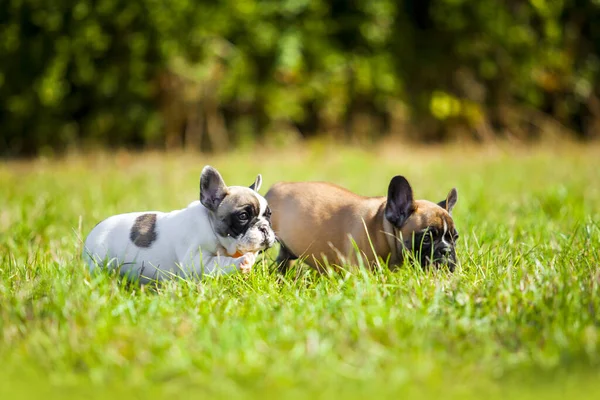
{"x": 399, "y": 201}
{"x": 450, "y": 201}
{"x": 257, "y": 183}
{"x": 212, "y": 188}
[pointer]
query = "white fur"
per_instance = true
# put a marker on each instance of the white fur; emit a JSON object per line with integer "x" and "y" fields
{"x": 446, "y": 244}
{"x": 186, "y": 245}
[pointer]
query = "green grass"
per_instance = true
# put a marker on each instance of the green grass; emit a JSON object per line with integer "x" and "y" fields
{"x": 520, "y": 316}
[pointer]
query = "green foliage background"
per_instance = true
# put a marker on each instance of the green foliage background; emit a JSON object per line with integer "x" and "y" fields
{"x": 213, "y": 74}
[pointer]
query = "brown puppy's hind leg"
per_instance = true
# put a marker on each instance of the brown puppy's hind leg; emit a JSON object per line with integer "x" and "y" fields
{"x": 284, "y": 259}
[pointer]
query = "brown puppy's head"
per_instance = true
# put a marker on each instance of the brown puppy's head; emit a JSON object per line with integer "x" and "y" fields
{"x": 426, "y": 229}
{"x": 239, "y": 215}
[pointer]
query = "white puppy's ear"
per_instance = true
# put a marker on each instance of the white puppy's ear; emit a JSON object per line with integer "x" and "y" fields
{"x": 212, "y": 188}
{"x": 257, "y": 183}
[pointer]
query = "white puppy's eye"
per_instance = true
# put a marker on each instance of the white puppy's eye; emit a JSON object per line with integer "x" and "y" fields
{"x": 243, "y": 216}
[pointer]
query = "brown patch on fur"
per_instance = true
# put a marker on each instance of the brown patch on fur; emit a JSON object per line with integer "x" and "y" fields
{"x": 235, "y": 198}
{"x": 143, "y": 231}
{"x": 426, "y": 214}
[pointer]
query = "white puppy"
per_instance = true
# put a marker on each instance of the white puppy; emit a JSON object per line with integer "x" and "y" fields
{"x": 221, "y": 233}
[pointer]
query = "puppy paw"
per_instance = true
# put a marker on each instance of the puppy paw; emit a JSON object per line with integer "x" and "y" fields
{"x": 248, "y": 261}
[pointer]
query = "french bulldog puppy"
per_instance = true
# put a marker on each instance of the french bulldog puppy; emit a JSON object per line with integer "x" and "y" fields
{"x": 319, "y": 221}
{"x": 221, "y": 233}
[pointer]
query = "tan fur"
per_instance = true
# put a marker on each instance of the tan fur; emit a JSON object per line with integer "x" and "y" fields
{"x": 426, "y": 214}
{"x": 315, "y": 221}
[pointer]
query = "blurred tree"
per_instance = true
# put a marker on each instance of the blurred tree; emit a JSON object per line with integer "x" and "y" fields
{"x": 215, "y": 74}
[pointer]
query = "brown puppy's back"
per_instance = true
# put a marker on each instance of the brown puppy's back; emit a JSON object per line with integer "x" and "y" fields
{"x": 314, "y": 219}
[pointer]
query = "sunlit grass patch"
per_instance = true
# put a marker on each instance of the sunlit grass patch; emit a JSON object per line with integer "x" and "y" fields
{"x": 518, "y": 316}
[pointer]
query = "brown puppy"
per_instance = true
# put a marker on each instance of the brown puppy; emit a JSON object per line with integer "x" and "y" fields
{"x": 319, "y": 221}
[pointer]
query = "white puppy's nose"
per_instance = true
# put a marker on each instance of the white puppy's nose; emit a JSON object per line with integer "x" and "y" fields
{"x": 268, "y": 235}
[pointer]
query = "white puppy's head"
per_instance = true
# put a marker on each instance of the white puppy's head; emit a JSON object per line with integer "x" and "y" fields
{"x": 239, "y": 215}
